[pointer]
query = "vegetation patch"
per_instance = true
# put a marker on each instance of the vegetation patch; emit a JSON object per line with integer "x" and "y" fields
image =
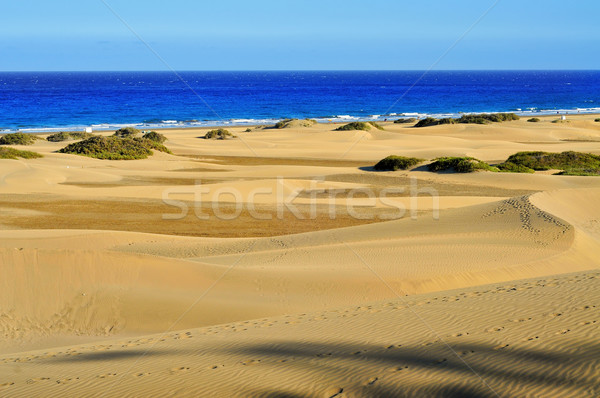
{"x": 17, "y": 139}
{"x": 483, "y": 118}
{"x": 407, "y": 120}
{"x": 291, "y": 123}
{"x": 510, "y": 167}
{"x": 355, "y": 126}
{"x": 561, "y": 121}
{"x": 431, "y": 121}
{"x": 393, "y": 163}
{"x": 597, "y": 120}
{"x": 533, "y": 120}
{"x": 154, "y": 136}
{"x": 376, "y": 125}
{"x": 11, "y": 153}
{"x": 459, "y": 165}
{"x": 127, "y": 132}
{"x": 114, "y": 148}
{"x": 571, "y": 163}
{"x": 218, "y": 134}
{"x": 67, "y": 136}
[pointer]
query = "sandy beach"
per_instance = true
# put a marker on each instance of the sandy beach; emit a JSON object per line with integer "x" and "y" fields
{"x": 190, "y": 274}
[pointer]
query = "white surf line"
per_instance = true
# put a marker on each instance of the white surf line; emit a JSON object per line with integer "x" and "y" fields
{"x": 427, "y": 325}
{"x": 161, "y": 59}
{"x": 170, "y": 329}
{"x": 444, "y": 54}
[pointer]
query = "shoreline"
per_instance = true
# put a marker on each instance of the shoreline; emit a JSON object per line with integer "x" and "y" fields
{"x": 253, "y": 123}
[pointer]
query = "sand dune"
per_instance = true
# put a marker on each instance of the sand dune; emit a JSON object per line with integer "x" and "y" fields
{"x": 375, "y": 305}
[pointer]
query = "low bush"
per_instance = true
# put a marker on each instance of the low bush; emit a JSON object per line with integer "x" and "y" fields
{"x": 66, "y": 136}
{"x": 459, "y": 165}
{"x": 483, "y": 118}
{"x": 597, "y": 120}
{"x": 11, "y": 153}
{"x": 17, "y": 139}
{"x": 409, "y": 120}
{"x": 533, "y": 120}
{"x": 430, "y": 121}
{"x": 572, "y": 163}
{"x": 290, "y": 123}
{"x": 355, "y": 126}
{"x": 510, "y": 167}
{"x": 154, "y": 136}
{"x": 114, "y": 148}
{"x": 218, "y": 134}
{"x": 376, "y": 125}
{"x": 393, "y": 163}
{"x": 127, "y": 132}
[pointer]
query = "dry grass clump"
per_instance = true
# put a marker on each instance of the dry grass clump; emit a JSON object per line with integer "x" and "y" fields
{"x": 17, "y": 139}
{"x": 11, "y": 153}
{"x": 218, "y": 134}
{"x": 294, "y": 123}
{"x": 393, "y": 163}
{"x": 67, "y": 136}
{"x": 114, "y": 148}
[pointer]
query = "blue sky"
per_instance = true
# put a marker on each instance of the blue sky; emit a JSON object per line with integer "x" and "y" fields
{"x": 296, "y": 35}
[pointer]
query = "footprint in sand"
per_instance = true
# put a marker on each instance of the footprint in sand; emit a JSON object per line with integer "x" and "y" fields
{"x": 565, "y": 331}
{"x": 66, "y": 381}
{"x": 142, "y": 374}
{"x": 501, "y": 346}
{"x": 398, "y": 368}
{"x": 10, "y": 383}
{"x": 587, "y": 323}
{"x": 179, "y": 369}
{"x": 532, "y": 338}
{"x": 333, "y": 392}
{"x": 251, "y": 362}
{"x": 35, "y": 380}
{"x": 371, "y": 381}
{"x": 495, "y": 329}
{"x": 106, "y": 375}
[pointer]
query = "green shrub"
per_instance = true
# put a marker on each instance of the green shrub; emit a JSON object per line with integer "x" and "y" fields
{"x": 376, "y": 125}
{"x": 114, "y": 148}
{"x": 289, "y": 123}
{"x": 561, "y": 121}
{"x": 393, "y": 163}
{"x": 154, "y": 136}
{"x": 428, "y": 121}
{"x": 533, "y": 120}
{"x": 597, "y": 120}
{"x": 127, "y": 132}
{"x": 17, "y": 139}
{"x": 572, "y": 163}
{"x": 218, "y": 134}
{"x": 409, "y": 120}
{"x": 355, "y": 126}
{"x": 66, "y": 136}
{"x": 11, "y": 153}
{"x": 459, "y": 164}
{"x": 485, "y": 118}
{"x": 510, "y": 167}
{"x": 248, "y": 130}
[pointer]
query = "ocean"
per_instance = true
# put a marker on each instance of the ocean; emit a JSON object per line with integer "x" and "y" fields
{"x": 54, "y": 101}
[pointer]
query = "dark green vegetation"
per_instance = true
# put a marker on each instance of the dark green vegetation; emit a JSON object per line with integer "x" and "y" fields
{"x": 154, "y": 136}
{"x": 571, "y": 163}
{"x": 366, "y": 126}
{"x": 11, "y": 153}
{"x": 218, "y": 134}
{"x": 67, "y": 136}
{"x": 560, "y": 121}
{"x": 376, "y": 125}
{"x": 17, "y": 139}
{"x": 597, "y": 120}
{"x": 127, "y": 132}
{"x": 459, "y": 165}
{"x": 533, "y": 120}
{"x": 409, "y": 120}
{"x": 430, "y": 121}
{"x": 393, "y": 163}
{"x": 115, "y": 148}
{"x": 483, "y": 118}
{"x": 287, "y": 123}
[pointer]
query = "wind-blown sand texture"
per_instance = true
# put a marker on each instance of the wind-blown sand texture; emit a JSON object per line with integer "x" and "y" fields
{"x": 102, "y": 297}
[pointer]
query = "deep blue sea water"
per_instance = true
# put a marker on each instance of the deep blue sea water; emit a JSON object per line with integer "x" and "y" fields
{"x": 33, "y": 101}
